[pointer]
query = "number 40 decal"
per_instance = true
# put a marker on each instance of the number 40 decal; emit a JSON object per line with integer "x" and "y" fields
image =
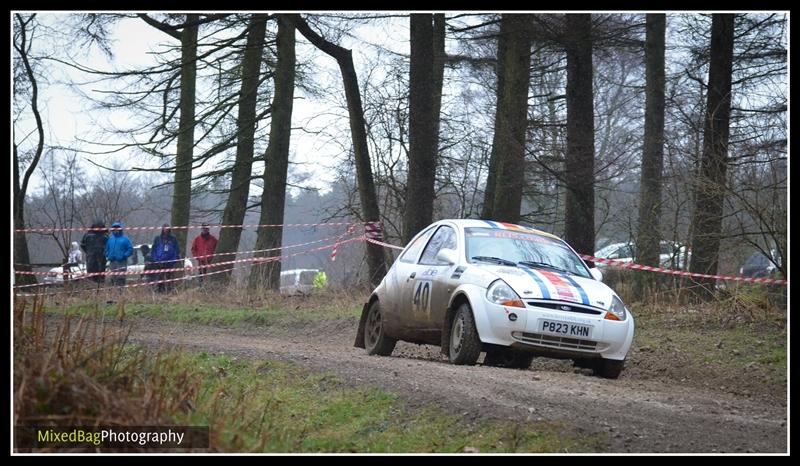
{"x": 422, "y": 295}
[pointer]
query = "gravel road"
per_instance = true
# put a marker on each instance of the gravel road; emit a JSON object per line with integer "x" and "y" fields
{"x": 634, "y": 415}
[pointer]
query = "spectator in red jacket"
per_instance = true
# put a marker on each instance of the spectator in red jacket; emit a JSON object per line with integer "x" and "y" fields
{"x": 203, "y": 248}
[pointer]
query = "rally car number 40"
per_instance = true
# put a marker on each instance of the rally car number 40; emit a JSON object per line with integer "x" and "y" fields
{"x": 513, "y": 292}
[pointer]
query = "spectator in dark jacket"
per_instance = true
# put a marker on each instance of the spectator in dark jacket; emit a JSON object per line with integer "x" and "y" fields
{"x": 93, "y": 244}
{"x": 118, "y": 249}
{"x": 166, "y": 255}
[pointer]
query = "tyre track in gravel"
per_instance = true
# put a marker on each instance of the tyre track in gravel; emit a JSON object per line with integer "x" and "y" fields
{"x": 632, "y": 415}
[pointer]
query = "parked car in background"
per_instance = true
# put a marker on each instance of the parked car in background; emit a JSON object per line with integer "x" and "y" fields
{"x": 759, "y": 265}
{"x": 672, "y": 255}
{"x": 472, "y": 286}
{"x": 298, "y": 281}
{"x": 55, "y": 276}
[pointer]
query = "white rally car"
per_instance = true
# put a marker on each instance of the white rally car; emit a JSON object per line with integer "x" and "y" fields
{"x": 511, "y": 291}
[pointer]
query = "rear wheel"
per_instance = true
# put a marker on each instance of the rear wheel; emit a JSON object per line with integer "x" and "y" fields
{"x": 465, "y": 345}
{"x": 609, "y": 368}
{"x": 505, "y": 357}
{"x": 375, "y": 339}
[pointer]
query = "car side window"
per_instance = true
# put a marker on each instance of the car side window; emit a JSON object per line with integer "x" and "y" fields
{"x": 625, "y": 251}
{"x": 445, "y": 238}
{"x": 412, "y": 251}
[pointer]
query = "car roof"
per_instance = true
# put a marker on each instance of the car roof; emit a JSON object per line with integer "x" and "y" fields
{"x": 477, "y": 223}
{"x": 287, "y": 272}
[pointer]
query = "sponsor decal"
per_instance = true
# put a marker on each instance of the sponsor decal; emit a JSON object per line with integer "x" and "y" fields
{"x": 567, "y": 317}
{"x": 584, "y": 297}
{"x": 458, "y": 271}
{"x": 429, "y": 273}
{"x": 563, "y": 287}
{"x": 539, "y": 281}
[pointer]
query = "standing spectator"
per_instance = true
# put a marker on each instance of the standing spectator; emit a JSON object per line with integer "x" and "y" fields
{"x": 118, "y": 249}
{"x": 93, "y": 244}
{"x": 165, "y": 254}
{"x": 75, "y": 254}
{"x": 203, "y": 248}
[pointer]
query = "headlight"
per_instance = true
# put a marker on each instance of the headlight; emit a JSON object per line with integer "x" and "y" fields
{"x": 500, "y": 293}
{"x": 618, "y": 311}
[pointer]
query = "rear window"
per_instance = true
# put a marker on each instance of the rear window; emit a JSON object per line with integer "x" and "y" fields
{"x": 757, "y": 260}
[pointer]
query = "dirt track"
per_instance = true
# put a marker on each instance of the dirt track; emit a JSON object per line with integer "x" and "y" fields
{"x": 634, "y": 415}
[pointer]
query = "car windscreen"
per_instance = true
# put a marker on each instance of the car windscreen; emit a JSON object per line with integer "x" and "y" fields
{"x": 607, "y": 250}
{"x": 757, "y": 261}
{"x": 521, "y": 246}
{"x": 307, "y": 277}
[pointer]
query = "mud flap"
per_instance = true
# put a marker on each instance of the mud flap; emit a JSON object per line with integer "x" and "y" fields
{"x": 359, "y": 343}
{"x": 444, "y": 345}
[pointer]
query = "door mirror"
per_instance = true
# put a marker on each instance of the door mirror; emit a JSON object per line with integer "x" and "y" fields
{"x": 596, "y": 273}
{"x": 447, "y": 256}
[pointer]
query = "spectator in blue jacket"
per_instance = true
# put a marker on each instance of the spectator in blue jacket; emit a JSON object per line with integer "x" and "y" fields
{"x": 118, "y": 249}
{"x": 165, "y": 254}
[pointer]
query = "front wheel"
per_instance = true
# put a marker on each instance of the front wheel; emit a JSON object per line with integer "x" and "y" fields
{"x": 465, "y": 346}
{"x": 375, "y": 339}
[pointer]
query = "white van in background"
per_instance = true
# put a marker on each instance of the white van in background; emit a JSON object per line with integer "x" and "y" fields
{"x": 298, "y": 281}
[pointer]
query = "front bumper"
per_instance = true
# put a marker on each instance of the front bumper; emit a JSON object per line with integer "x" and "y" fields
{"x": 605, "y": 338}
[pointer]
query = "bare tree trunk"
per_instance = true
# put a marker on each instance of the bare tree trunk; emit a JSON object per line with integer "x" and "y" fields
{"x": 376, "y": 259}
{"x": 424, "y": 102}
{"x": 240, "y": 179}
{"x": 273, "y": 197}
{"x": 512, "y": 119}
{"x": 182, "y": 189}
{"x": 710, "y": 185}
{"x": 579, "y": 159}
{"x": 487, "y": 211}
{"x": 648, "y": 238}
{"x": 21, "y": 253}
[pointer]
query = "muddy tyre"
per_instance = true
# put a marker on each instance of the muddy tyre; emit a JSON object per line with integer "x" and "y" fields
{"x": 504, "y": 357}
{"x": 465, "y": 345}
{"x": 375, "y": 339}
{"x": 608, "y": 368}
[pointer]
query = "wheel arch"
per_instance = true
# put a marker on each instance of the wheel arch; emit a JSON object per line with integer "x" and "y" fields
{"x": 456, "y": 301}
{"x": 359, "y": 343}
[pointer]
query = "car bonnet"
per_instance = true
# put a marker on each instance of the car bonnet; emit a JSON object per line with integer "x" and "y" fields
{"x": 530, "y": 283}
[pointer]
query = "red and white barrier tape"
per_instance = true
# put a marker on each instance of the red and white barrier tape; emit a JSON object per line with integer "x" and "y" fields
{"x": 186, "y": 227}
{"x": 386, "y": 245}
{"x": 209, "y": 266}
{"x": 644, "y": 267}
{"x": 349, "y": 231}
{"x": 629, "y": 265}
{"x": 93, "y": 274}
{"x": 248, "y": 262}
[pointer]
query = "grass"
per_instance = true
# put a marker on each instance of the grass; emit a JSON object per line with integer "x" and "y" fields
{"x": 737, "y": 342}
{"x": 83, "y": 374}
{"x": 273, "y": 406}
{"x": 275, "y": 311}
